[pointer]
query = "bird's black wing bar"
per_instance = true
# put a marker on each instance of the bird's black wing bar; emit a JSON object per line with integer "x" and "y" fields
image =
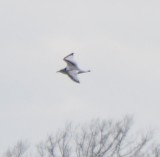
{"x": 70, "y": 60}
{"x": 73, "y": 76}
{"x": 77, "y": 81}
{"x": 69, "y": 55}
{"x": 72, "y": 63}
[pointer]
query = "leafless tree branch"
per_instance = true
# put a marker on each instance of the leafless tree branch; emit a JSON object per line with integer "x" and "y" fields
{"x": 96, "y": 139}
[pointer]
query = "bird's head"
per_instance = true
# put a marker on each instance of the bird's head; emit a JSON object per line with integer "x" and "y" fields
{"x": 62, "y": 71}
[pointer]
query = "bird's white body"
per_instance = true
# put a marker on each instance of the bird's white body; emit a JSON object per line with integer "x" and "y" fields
{"x": 72, "y": 69}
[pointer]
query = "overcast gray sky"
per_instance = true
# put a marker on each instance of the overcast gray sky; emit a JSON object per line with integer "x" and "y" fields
{"x": 119, "y": 40}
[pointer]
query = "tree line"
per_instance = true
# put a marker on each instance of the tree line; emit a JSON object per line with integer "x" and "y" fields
{"x": 97, "y": 139}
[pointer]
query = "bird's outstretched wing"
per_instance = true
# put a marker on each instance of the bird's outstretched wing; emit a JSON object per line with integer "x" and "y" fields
{"x": 71, "y": 64}
{"x": 73, "y": 75}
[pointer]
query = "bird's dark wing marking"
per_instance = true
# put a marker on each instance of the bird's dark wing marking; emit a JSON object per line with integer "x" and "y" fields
{"x": 73, "y": 75}
{"x": 71, "y": 64}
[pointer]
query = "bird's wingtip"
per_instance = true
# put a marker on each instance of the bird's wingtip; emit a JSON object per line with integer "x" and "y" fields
{"x": 71, "y": 54}
{"x": 77, "y": 81}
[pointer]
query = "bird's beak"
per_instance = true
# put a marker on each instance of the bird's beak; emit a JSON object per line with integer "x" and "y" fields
{"x": 57, "y": 71}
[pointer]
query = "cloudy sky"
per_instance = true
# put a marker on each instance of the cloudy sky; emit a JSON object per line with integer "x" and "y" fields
{"x": 118, "y": 40}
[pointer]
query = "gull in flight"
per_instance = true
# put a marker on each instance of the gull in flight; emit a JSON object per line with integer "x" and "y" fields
{"x": 72, "y": 69}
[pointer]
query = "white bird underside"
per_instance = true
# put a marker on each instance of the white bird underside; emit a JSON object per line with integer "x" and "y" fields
{"x": 72, "y": 69}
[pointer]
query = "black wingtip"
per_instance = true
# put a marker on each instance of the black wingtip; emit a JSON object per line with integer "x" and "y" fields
{"x": 77, "y": 82}
{"x": 71, "y": 54}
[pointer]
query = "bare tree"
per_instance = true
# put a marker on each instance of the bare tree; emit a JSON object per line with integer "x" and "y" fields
{"x": 110, "y": 139}
{"x": 63, "y": 140}
{"x": 17, "y": 151}
{"x": 96, "y": 139}
{"x": 41, "y": 150}
{"x": 58, "y": 146}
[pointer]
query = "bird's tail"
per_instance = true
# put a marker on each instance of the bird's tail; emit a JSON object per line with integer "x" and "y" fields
{"x": 84, "y": 71}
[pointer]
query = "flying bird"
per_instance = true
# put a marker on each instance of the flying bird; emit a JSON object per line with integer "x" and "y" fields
{"x": 72, "y": 69}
